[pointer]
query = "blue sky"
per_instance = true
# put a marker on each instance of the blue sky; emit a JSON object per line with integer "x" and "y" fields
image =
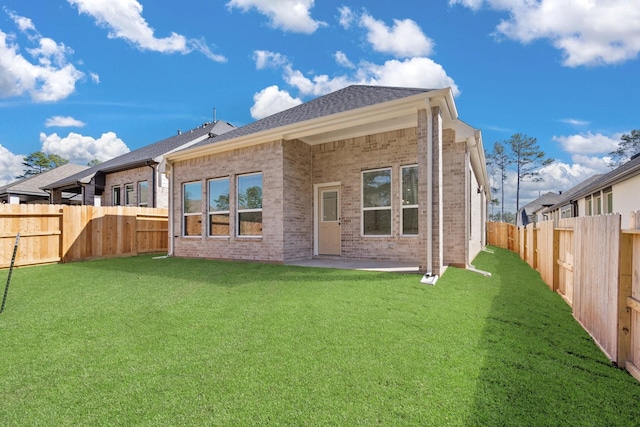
{"x": 85, "y": 80}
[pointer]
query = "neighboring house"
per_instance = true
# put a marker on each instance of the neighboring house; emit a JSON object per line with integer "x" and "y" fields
{"x": 566, "y": 206}
{"x": 532, "y": 211}
{"x": 616, "y": 191}
{"x": 133, "y": 179}
{"x": 365, "y": 172}
{"x": 28, "y": 190}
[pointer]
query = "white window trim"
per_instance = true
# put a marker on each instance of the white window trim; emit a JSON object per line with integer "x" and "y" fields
{"x": 192, "y": 213}
{"x": 113, "y": 195}
{"x": 214, "y": 212}
{"x": 145, "y": 205}
{"x": 375, "y": 208}
{"x": 403, "y": 206}
{"x": 125, "y": 195}
{"x": 239, "y": 211}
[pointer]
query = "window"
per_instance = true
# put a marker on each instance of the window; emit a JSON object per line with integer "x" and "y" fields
{"x": 608, "y": 200}
{"x": 376, "y": 202}
{"x": 192, "y": 208}
{"x": 589, "y": 207}
{"x": 143, "y": 193}
{"x": 597, "y": 203}
{"x": 117, "y": 200}
{"x": 410, "y": 200}
{"x": 249, "y": 192}
{"x": 219, "y": 207}
{"x": 128, "y": 195}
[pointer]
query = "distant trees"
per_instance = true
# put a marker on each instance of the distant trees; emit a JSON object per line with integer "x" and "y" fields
{"x": 522, "y": 155}
{"x": 38, "y": 162}
{"x": 629, "y": 146}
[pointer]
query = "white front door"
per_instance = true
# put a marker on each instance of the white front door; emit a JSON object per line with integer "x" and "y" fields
{"x": 329, "y": 236}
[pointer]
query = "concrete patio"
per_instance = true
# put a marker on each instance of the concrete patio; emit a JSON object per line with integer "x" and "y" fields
{"x": 358, "y": 264}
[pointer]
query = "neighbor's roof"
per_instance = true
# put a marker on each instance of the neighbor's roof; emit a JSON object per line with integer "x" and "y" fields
{"x": 547, "y": 199}
{"x": 33, "y": 184}
{"x": 340, "y": 101}
{"x": 621, "y": 173}
{"x": 569, "y": 195}
{"x": 145, "y": 154}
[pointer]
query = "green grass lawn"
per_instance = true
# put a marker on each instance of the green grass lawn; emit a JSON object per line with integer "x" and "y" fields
{"x": 142, "y": 341}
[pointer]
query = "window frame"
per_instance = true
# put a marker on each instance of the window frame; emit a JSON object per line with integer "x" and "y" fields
{"x": 140, "y": 202}
{"x": 364, "y": 209}
{"x": 607, "y": 199}
{"x": 240, "y": 211}
{"x": 212, "y": 212}
{"x": 404, "y": 206}
{"x": 129, "y": 192}
{"x": 116, "y": 190}
{"x": 190, "y": 214}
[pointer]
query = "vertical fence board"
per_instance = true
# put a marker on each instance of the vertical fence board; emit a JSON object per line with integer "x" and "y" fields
{"x": 54, "y": 233}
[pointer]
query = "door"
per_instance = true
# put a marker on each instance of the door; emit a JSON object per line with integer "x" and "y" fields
{"x": 329, "y": 238}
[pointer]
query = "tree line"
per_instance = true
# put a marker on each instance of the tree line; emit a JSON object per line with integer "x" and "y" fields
{"x": 38, "y": 162}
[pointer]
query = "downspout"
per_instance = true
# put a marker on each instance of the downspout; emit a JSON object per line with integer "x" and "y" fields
{"x": 169, "y": 172}
{"x": 153, "y": 182}
{"x": 428, "y": 277}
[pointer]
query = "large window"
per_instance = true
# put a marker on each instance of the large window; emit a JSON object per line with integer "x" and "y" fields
{"x": 117, "y": 200}
{"x": 589, "y": 206}
{"x": 219, "y": 207}
{"x": 143, "y": 193}
{"x": 376, "y": 202}
{"x": 128, "y": 195}
{"x": 249, "y": 201}
{"x": 597, "y": 203}
{"x": 192, "y": 208}
{"x": 410, "y": 200}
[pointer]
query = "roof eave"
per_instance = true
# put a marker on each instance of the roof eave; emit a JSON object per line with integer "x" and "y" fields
{"x": 388, "y": 115}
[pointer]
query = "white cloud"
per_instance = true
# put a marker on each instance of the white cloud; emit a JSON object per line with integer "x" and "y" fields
{"x": 575, "y": 122}
{"x": 404, "y": 39}
{"x": 272, "y": 100}
{"x": 346, "y": 17}
{"x": 266, "y": 59}
{"x": 287, "y": 15}
{"x": 343, "y": 60}
{"x": 124, "y": 20}
{"x": 82, "y": 149}
{"x": 24, "y": 24}
{"x": 95, "y": 78}
{"x": 588, "y": 143}
{"x": 61, "y": 121}
{"x": 414, "y": 72}
{"x": 10, "y": 166}
{"x": 588, "y": 32}
{"x": 49, "y": 78}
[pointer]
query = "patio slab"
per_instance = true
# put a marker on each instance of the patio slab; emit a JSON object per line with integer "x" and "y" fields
{"x": 358, "y": 264}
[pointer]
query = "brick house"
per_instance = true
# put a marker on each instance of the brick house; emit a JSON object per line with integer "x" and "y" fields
{"x": 132, "y": 179}
{"x": 365, "y": 172}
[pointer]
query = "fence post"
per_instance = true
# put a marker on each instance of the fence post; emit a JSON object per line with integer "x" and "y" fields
{"x": 625, "y": 278}
{"x": 556, "y": 257}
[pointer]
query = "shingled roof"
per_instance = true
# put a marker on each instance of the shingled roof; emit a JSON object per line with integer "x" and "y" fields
{"x": 570, "y": 195}
{"x": 340, "y": 101}
{"x": 31, "y": 186}
{"x": 145, "y": 154}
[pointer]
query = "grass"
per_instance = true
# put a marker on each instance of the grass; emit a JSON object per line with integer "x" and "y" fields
{"x": 142, "y": 341}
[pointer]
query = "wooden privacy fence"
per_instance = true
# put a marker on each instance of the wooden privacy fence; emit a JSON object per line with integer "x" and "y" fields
{"x": 503, "y": 235}
{"x": 57, "y": 233}
{"x": 595, "y": 266}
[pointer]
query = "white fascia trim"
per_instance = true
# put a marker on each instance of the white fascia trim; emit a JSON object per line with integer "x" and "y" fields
{"x": 349, "y": 119}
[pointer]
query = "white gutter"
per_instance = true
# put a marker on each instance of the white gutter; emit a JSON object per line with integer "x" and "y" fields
{"x": 428, "y": 277}
{"x": 169, "y": 168}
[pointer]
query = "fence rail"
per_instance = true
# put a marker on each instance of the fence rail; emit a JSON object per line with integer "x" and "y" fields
{"x": 595, "y": 266}
{"x": 56, "y": 233}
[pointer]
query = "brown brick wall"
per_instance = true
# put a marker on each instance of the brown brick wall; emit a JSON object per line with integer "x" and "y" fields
{"x": 298, "y": 201}
{"x": 454, "y": 169}
{"x": 120, "y": 179}
{"x": 343, "y": 161}
{"x": 265, "y": 158}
